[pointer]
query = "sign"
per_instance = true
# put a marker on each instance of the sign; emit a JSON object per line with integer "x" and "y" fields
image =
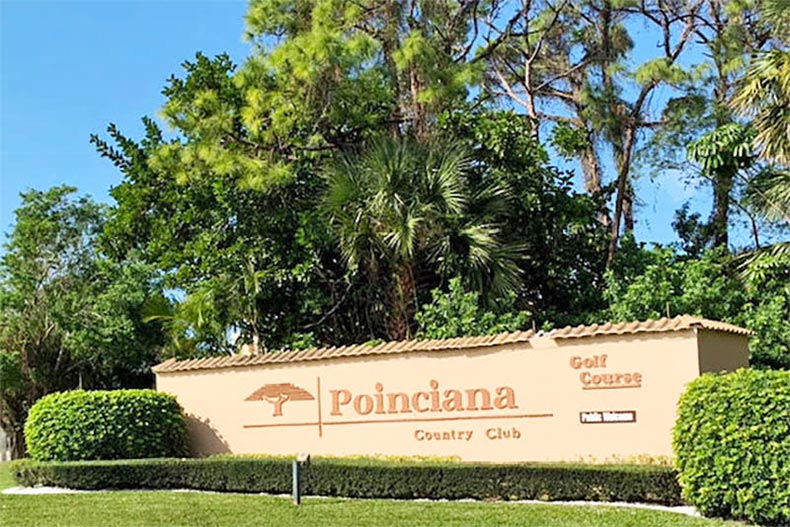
{"x": 434, "y": 404}
{"x": 628, "y": 416}
{"x": 533, "y": 399}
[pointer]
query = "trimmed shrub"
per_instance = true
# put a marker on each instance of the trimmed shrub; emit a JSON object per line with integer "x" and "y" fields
{"x": 119, "y": 424}
{"x": 732, "y": 442}
{"x": 364, "y": 478}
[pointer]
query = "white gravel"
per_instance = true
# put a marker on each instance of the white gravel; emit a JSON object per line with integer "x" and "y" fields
{"x": 42, "y": 490}
{"x": 686, "y": 510}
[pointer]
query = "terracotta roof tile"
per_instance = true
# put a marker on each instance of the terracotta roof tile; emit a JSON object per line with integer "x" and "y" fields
{"x": 679, "y": 323}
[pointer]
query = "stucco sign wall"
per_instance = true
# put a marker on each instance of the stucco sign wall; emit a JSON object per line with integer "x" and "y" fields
{"x": 579, "y": 393}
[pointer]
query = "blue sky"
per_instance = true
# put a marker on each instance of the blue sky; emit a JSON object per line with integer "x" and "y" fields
{"x": 68, "y": 68}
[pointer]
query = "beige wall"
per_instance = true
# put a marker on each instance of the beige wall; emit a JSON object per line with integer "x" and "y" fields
{"x": 537, "y": 394}
{"x": 721, "y": 351}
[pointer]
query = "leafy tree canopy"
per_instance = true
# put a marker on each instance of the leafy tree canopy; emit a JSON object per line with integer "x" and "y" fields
{"x": 458, "y": 313}
{"x": 649, "y": 284}
{"x": 69, "y": 317}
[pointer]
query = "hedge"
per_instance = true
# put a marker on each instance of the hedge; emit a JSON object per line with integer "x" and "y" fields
{"x": 119, "y": 424}
{"x": 732, "y": 445}
{"x": 367, "y": 478}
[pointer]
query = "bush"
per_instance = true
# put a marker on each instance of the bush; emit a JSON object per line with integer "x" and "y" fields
{"x": 120, "y": 424}
{"x": 732, "y": 442}
{"x": 458, "y": 313}
{"x": 361, "y": 478}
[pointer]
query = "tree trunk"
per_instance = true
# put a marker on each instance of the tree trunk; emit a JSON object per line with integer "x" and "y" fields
{"x": 418, "y": 111}
{"x": 628, "y": 208}
{"x": 278, "y": 404}
{"x": 591, "y": 169}
{"x": 17, "y": 443}
{"x": 402, "y": 302}
{"x": 591, "y": 172}
{"x": 389, "y": 45}
{"x": 724, "y": 177}
{"x": 623, "y": 168}
{"x": 722, "y": 187}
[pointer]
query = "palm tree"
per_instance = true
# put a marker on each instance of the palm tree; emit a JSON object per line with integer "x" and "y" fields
{"x": 764, "y": 92}
{"x": 401, "y": 208}
{"x": 764, "y": 97}
{"x": 218, "y": 316}
{"x": 723, "y": 155}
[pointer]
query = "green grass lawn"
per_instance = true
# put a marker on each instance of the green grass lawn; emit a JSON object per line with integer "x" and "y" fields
{"x": 171, "y": 509}
{"x": 5, "y": 476}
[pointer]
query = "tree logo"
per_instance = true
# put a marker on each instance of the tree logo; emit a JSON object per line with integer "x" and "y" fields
{"x": 278, "y": 394}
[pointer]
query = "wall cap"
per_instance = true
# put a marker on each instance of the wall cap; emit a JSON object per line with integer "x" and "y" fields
{"x": 662, "y": 325}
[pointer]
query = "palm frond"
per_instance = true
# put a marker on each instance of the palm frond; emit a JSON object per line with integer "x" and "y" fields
{"x": 777, "y": 13}
{"x": 768, "y": 192}
{"x": 403, "y": 236}
{"x": 491, "y": 200}
{"x": 753, "y": 263}
{"x": 445, "y": 167}
{"x": 764, "y": 95}
{"x": 407, "y": 204}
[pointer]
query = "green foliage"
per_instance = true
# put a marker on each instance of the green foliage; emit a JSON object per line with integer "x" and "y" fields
{"x": 696, "y": 123}
{"x": 728, "y": 148}
{"x": 767, "y": 310}
{"x": 563, "y": 242}
{"x": 323, "y": 75}
{"x": 68, "y": 316}
{"x": 114, "y": 345}
{"x": 696, "y": 235}
{"x": 570, "y": 141}
{"x": 669, "y": 286}
{"x": 63, "y": 295}
{"x": 659, "y": 70}
{"x": 763, "y": 96}
{"x": 121, "y": 424}
{"x": 403, "y": 209}
{"x": 649, "y": 284}
{"x": 263, "y": 265}
{"x": 768, "y": 193}
{"x": 227, "y": 208}
{"x": 683, "y": 117}
{"x": 301, "y": 87}
{"x": 368, "y": 478}
{"x": 732, "y": 441}
{"x": 245, "y": 260}
{"x": 723, "y": 155}
{"x": 769, "y": 318}
{"x": 458, "y": 313}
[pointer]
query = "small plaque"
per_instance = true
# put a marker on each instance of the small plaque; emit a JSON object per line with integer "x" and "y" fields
{"x": 607, "y": 416}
